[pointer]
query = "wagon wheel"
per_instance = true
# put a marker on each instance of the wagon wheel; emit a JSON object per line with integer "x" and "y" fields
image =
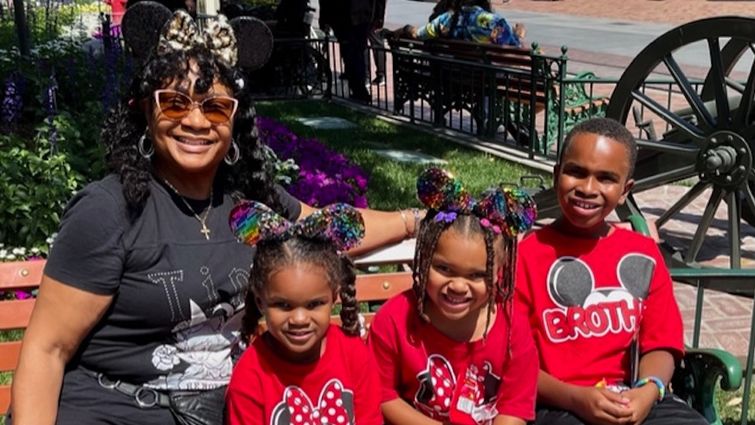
{"x": 708, "y": 135}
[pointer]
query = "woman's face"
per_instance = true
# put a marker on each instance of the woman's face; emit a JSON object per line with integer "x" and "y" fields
{"x": 191, "y": 144}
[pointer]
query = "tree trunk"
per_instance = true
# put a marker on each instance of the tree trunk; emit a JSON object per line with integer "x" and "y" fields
{"x": 24, "y": 45}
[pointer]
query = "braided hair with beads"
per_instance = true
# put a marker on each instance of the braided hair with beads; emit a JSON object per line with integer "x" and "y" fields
{"x": 498, "y": 216}
{"x": 319, "y": 239}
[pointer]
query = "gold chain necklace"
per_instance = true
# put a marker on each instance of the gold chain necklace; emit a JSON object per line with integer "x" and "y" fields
{"x": 202, "y": 220}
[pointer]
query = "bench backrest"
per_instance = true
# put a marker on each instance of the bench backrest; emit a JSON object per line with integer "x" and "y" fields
{"x": 516, "y": 63}
{"x": 27, "y": 275}
{"x": 15, "y": 314}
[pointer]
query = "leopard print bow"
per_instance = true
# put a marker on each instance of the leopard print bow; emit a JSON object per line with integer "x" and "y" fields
{"x": 181, "y": 33}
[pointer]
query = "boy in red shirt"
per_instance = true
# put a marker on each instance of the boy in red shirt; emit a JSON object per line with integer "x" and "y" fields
{"x": 590, "y": 289}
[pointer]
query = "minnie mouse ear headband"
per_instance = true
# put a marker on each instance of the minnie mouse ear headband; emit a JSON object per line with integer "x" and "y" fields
{"x": 149, "y": 27}
{"x": 508, "y": 211}
{"x": 341, "y": 224}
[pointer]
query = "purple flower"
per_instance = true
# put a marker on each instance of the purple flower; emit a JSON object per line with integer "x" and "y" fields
{"x": 325, "y": 176}
{"x": 13, "y": 100}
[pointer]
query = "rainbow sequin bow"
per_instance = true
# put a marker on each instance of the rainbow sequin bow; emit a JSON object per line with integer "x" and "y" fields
{"x": 508, "y": 211}
{"x": 341, "y": 224}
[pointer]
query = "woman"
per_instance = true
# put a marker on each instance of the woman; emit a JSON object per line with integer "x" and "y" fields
{"x": 468, "y": 20}
{"x": 140, "y": 290}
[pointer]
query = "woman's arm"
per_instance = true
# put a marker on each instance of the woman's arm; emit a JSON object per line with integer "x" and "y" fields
{"x": 381, "y": 227}
{"x": 62, "y": 317}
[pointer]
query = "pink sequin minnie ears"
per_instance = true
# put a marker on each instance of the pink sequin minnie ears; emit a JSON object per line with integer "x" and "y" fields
{"x": 149, "y": 26}
{"x": 341, "y": 224}
{"x": 507, "y": 211}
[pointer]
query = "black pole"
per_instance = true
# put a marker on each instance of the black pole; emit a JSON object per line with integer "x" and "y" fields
{"x": 19, "y": 14}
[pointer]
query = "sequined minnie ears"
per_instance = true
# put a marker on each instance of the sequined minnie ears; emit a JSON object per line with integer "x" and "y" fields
{"x": 508, "y": 211}
{"x": 341, "y": 224}
{"x": 148, "y": 26}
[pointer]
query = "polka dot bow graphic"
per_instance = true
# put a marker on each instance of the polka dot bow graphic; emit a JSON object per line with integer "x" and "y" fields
{"x": 331, "y": 409}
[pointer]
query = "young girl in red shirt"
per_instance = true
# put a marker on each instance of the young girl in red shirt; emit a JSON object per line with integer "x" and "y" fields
{"x": 302, "y": 370}
{"x": 449, "y": 351}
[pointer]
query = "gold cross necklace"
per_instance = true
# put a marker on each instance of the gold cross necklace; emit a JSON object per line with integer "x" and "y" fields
{"x": 202, "y": 220}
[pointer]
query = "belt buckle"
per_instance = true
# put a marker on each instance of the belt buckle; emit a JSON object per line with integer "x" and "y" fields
{"x": 107, "y": 383}
{"x": 142, "y": 391}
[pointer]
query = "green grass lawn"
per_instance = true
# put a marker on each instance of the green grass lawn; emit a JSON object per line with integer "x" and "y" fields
{"x": 392, "y": 184}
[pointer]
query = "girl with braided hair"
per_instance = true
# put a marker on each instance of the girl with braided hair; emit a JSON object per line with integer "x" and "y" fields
{"x": 449, "y": 350}
{"x": 302, "y": 369}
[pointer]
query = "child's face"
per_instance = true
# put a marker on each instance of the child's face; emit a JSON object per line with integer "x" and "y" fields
{"x": 296, "y": 303}
{"x": 456, "y": 281}
{"x": 591, "y": 180}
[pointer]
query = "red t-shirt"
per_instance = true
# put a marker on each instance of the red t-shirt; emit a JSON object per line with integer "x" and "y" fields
{"x": 341, "y": 388}
{"x": 463, "y": 382}
{"x": 587, "y": 298}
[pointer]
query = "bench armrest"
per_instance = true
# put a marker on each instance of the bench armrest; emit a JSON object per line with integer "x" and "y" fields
{"x": 695, "y": 379}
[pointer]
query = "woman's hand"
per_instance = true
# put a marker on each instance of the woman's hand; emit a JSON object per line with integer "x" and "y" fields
{"x": 599, "y": 406}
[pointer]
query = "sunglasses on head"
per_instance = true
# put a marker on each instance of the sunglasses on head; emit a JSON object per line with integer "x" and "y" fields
{"x": 176, "y": 105}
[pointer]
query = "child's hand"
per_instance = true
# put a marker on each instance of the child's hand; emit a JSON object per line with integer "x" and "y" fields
{"x": 599, "y": 406}
{"x": 641, "y": 400}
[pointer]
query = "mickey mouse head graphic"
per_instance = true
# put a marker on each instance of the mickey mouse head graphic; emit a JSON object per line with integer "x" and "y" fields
{"x": 438, "y": 389}
{"x": 588, "y": 311}
{"x": 335, "y": 407}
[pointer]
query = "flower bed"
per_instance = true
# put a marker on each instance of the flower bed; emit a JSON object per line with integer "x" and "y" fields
{"x": 324, "y": 177}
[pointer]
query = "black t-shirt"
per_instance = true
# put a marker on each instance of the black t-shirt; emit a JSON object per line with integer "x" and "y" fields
{"x": 176, "y": 295}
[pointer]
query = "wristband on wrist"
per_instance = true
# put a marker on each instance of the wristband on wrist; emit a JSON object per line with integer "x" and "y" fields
{"x": 654, "y": 380}
{"x": 417, "y": 219}
{"x": 406, "y": 223}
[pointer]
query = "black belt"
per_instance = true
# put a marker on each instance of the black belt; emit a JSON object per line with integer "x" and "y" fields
{"x": 144, "y": 397}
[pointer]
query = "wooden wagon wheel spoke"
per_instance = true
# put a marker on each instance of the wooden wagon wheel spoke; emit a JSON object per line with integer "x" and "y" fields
{"x": 710, "y": 210}
{"x": 745, "y": 104}
{"x": 680, "y": 204}
{"x": 680, "y": 173}
{"x": 673, "y": 148}
{"x": 719, "y": 83}
{"x": 669, "y": 116}
{"x": 735, "y": 206}
{"x": 694, "y": 99}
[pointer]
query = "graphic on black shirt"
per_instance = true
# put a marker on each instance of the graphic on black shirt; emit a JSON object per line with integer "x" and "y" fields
{"x": 586, "y": 311}
{"x": 334, "y": 407}
{"x": 200, "y": 356}
{"x": 438, "y": 390}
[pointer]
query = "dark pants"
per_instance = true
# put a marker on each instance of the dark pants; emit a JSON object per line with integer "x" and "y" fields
{"x": 377, "y": 42}
{"x": 353, "y": 42}
{"x": 84, "y": 402}
{"x": 669, "y": 411}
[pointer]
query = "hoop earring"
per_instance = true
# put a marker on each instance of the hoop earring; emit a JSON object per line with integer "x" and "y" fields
{"x": 233, "y": 158}
{"x": 145, "y": 152}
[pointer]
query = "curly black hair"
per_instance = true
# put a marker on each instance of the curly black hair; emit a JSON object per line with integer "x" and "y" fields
{"x": 251, "y": 177}
{"x": 271, "y": 256}
{"x": 500, "y": 288}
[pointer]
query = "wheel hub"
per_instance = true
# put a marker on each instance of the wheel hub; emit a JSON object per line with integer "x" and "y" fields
{"x": 725, "y": 160}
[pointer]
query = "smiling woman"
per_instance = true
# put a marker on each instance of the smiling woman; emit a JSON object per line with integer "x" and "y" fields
{"x": 135, "y": 314}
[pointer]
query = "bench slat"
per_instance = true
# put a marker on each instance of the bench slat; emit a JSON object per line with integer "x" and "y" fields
{"x": 381, "y": 286}
{"x": 4, "y": 398}
{"x": 9, "y": 352}
{"x": 15, "y": 314}
{"x": 21, "y": 274}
